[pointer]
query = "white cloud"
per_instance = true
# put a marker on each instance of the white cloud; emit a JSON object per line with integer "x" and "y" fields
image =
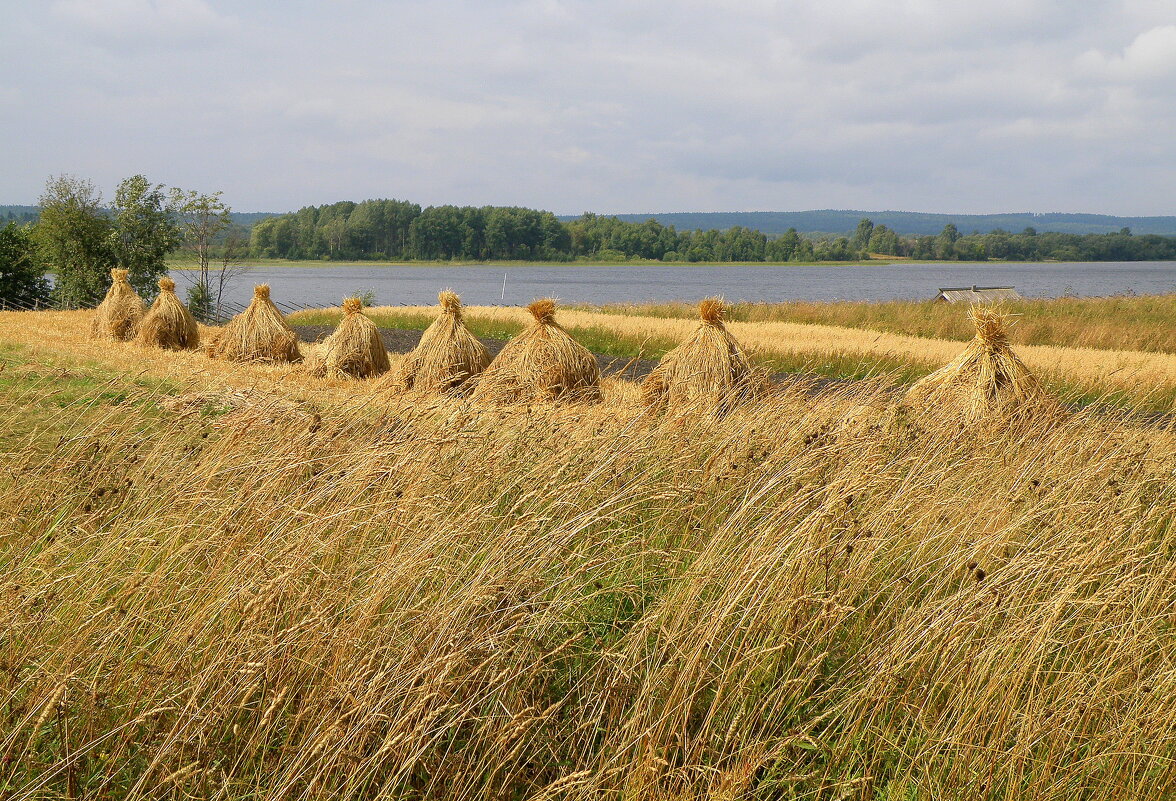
{"x": 166, "y": 21}
{"x": 607, "y": 104}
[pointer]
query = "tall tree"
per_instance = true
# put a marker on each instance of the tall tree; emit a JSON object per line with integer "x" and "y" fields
{"x": 201, "y": 219}
{"x": 22, "y": 273}
{"x": 73, "y": 237}
{"x": 144, "y": 231}
{"x": 861, "y": 237}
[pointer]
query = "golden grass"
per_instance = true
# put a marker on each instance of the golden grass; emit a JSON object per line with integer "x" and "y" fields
{"x": 1122, "y": 322}
{"x": 229, "y": 596}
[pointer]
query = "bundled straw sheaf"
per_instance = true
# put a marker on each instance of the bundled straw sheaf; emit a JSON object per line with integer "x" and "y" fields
{"x": 260, "y": 333}
{"x": 168, "y": 324}
{"x": 986, "y": 379}
{"x": 543, "y": 363}
{"x": 448, "y": 355}
{"x": 118, "y": 315}
{"x": 709, "y": 370}
{"x": 355, "y": 349}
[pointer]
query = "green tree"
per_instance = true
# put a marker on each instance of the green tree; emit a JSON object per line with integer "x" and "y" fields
{"x": 73, "y": 237}
{"x": 201, "y": 219}
{"x": 22, "y": 273}
{"x": 861, "y": 237}
{"x": 143, "y": 232}
{"x": 945, "y": 242}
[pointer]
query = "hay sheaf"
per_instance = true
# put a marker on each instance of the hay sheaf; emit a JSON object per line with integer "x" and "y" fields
{"x": 120, "y": 312}
{"x": 258, "y": 334}
{"x": 707, "y": 371}
{"x": 448, "y": 355}
{"x": 168, "y": 324}
{"x": 543, "y": 363}
{"x": 354, "y": 350}
{"x": 986, "y": 380}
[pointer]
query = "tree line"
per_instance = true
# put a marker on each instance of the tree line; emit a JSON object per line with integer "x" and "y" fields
{"x": 398, "y": 229}
{"x": 401, "y": 230}
{"x": 1028, "y": 245}
{"x": 81, "y": 239}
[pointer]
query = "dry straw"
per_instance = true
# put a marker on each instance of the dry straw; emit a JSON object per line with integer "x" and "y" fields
{"x": 543, "y": 363}
{"x": 260, "y": 333}
{"x": 355, "y": 349}
{"x": 168, "y": 324}
{"x": 708, "y": 370}
{"x": 447, "y": 356}
{"x": 117, "y": 316}
{"x": 986, "y": 379}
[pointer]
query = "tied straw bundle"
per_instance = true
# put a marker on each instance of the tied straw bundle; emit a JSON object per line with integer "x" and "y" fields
{"x": 355, "y": 349}
{"x": 709, "y": 370}
{"x": 118, "y": 315}
{"x": 168, "y": 324}
{"x": 448, "y": 355}
{"x": 543, "y": 363}
{"x": 260, "y": 333}
{"x": 986, "y": 379}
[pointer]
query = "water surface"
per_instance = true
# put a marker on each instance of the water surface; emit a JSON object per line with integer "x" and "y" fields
{"x": 600, "y": 284}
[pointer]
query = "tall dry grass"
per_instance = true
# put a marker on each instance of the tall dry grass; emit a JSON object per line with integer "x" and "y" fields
{"x": 439, "y": 600}
{"x": 1118, "y": 322}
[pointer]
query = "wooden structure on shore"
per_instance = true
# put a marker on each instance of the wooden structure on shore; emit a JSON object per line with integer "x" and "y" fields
{"x": 976, "y": 294}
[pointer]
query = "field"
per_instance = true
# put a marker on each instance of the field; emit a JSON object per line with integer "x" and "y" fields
{"x": 855, "y": 341}
{"x": 240, "y": 582}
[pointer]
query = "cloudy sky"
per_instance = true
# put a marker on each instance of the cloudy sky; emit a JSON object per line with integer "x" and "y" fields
{"x": 609, "y": 105}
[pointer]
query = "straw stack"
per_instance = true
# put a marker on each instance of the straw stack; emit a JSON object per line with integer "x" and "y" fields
{"x": 118, "y": 315}
{"x": 168, "y": 324}
{"x": 355, "y": 350}
{"x": 708, "y": 371}
{"x": 260, "y": 333}
{"x": 986, "y": 379}
{"x": 448, "y": 355}
{"x": 541, "y": 364}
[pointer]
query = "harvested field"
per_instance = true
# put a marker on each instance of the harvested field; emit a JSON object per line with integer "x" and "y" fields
{"x": 238, "y": 581}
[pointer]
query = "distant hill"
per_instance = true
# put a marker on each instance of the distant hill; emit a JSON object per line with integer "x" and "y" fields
{"x": 26, "y": 213}
{"x": 908, "y": 223}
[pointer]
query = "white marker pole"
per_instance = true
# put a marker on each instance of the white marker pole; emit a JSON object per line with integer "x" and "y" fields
{"x": 503, "y": 298}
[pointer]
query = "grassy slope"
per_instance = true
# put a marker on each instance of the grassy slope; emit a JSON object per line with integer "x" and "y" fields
{"x": 422, "y": 599}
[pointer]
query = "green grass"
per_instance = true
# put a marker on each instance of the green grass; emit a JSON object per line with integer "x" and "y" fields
{"x": 57, "y": 393}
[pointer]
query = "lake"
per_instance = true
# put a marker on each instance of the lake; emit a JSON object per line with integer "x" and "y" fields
{"x": 600, "y": 284}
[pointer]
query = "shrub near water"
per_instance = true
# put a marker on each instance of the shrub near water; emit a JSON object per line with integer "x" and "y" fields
{"x": 462, "y": 602}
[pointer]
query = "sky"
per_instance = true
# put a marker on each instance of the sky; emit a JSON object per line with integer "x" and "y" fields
{"x": 612, "y": 106}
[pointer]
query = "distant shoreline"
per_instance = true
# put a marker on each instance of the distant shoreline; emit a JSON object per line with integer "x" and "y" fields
{"x": 185, "y": 264}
